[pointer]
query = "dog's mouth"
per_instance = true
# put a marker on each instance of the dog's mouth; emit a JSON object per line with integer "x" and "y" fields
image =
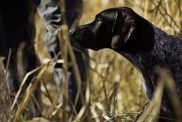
{"x": 76, "y": 45}
{"x": 82, "y": 38}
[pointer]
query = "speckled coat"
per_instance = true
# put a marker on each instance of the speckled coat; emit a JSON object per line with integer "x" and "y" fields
{"x": 166, "y": 52}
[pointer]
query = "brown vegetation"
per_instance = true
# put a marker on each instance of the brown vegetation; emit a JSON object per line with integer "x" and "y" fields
{"x": 114, "y": 91}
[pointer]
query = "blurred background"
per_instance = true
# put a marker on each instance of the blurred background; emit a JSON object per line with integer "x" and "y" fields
{"x": 115, "y": 85}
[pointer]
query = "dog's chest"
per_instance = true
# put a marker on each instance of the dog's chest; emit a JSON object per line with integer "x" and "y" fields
{"x": 146, "y": 63}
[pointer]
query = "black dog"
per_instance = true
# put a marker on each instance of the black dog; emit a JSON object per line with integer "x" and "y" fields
{"x": 143, "y": 44}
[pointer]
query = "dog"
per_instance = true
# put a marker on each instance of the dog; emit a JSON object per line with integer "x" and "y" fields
{"x": 142, "y": 43}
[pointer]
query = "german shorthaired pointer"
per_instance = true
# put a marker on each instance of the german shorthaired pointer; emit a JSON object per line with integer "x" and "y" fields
{"x": 143, "y": 44}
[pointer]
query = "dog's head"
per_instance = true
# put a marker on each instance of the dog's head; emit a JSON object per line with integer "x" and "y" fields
{"x": 112, "y": 28}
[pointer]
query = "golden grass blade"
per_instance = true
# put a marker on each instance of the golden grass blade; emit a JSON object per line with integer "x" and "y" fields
{"x": 152, "y": 111}
{"x": 173, "y": 92}
{"x": 2, "y": 76}
{"x": 31, "y": 88}
{"x": 7, "y": 66}
{"x": 21, "y": 86}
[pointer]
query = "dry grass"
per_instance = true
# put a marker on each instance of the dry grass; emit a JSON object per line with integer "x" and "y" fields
{"x": 114, "y": 90}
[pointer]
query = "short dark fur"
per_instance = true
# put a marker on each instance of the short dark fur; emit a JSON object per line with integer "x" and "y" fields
{"x": 143, "y": 44}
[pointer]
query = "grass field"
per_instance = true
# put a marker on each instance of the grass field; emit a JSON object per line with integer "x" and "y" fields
{"x": 115, "y": 91}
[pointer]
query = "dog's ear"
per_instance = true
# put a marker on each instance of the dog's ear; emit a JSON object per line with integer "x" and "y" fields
{"x": 122, "y": 29}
